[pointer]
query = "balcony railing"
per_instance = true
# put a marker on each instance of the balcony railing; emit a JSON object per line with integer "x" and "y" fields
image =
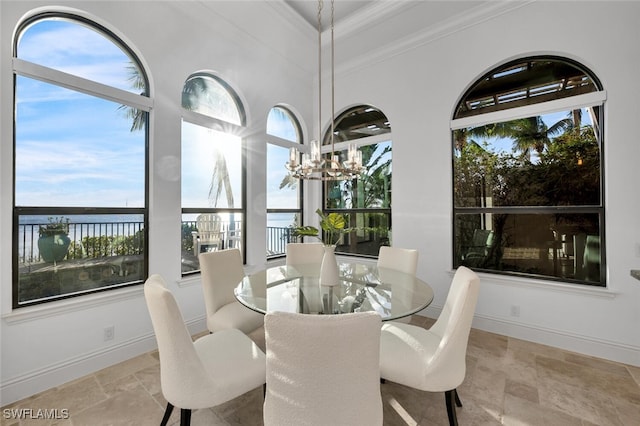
{"x": 93, "y": 240}
{"x": 106, "y": 254}
{"x": 277, "y": 240}
{"x": 87, "y": 240}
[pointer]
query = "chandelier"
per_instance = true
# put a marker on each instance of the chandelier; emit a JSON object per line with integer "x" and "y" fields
{"x": 313, "y": 166}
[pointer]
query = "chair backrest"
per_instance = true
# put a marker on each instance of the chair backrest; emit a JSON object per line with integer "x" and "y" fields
{"x": 448, "y": 363}
{"x": 183, "y": 377}
{"x": 209, "y": 227}
{"x": 322, "y": 369}
{"x": 482, "y": 238}
{"x": 591, "y": 257}
{"x": 304, "y": 253}
{"x": 400, "y": 259}
{"x": 221, "y": 271}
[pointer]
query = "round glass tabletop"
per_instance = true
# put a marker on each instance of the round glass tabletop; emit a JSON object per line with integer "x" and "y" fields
{"x": 363, "y": 287}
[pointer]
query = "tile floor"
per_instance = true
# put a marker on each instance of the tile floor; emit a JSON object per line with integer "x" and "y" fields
{"x": 508, "y": 381}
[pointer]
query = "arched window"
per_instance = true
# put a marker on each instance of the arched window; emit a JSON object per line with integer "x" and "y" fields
{"x": 366, "y": 200}
{"x": 80, "y": 212}
{"x": 213, "y": 200}
{"x": 527, "y": 172}
{"x": 284, "y": 193}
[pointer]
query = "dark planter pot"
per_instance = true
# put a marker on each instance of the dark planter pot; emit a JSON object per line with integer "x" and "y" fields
{"x": 53, "y": 248}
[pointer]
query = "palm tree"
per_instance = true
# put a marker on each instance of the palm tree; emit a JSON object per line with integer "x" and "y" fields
{"x": 196, "y": 94}
{"x": 137, "y": 116}
{"x": 220, "y": 180}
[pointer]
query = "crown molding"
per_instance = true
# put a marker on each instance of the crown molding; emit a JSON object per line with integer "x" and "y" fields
{"x": 369, "y": 16}
{"x": 365, "y": 17}
{"x": 293, "y": 18}
{"x": 477, "y": 15}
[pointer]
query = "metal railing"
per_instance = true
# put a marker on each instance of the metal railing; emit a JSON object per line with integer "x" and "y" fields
{"x": 277, "y": 240}
{"x": 87, "y": 240}
{"x": 92, "y": 240}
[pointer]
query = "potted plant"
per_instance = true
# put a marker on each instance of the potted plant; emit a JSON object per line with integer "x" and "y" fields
{"x": 54, "y": 242}
{"x": 334, "y": 226}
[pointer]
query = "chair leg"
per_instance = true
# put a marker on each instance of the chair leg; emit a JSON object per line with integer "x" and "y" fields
{"x": 185, "y": 417}
{"x": 264, "y": 391}
{"x": 167, "y": 414}
{"x": 450, "y": 399}
{"x": 458, "y": 402}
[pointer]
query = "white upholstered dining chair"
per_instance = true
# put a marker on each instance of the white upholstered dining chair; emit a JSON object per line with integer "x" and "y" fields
{"x": 221, "y": 272}
{"x": 400, "y": 259}
{"x": 304, "y": 253}
{"x": 434, "y": 360}
{"x": 214, "y": 369}
{"x": 322, "y": 369}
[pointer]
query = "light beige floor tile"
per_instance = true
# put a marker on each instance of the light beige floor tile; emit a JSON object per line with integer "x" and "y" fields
{"x": 205, "y": 417}
{"x": 483, "y": 344}
{"x": 125, "y": 368}
{"x": 628, "y": 413}
{"x": 536, "y": 349}
{"x": 635, "y": 373}
{"x": 588, "y": 377}
{"x": 74, "y": 396}
{"x": 403, "y": 403}
{"x": 521, "y": 367}
{"x": 478, "y": 413}
{"x": 243, "y": 410}
{"x": 522, "y": 391}
{"x": 121, "y": 385}
{"x": 597, "y": 363}
{"x": 150, "y": 379}
{"x": 487, "y": 384}
{"x": 133, "y": 407}
{"x": 508, "y": 381}
{"x": 581, "y": 402}
{"x": 520, "y": 412}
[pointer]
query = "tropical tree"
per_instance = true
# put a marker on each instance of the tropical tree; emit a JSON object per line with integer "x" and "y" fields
{"x": 200, "y": 94}
{"x": 137, "y": 116}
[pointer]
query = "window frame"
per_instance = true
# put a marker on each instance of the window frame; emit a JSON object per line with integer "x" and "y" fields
{"x": 595, "y": 98}
{"x": 342, "y": 146}
{"x": 239, "y": 130}
{"x": 286, "y": 143}
{"x": 142, "y": 102}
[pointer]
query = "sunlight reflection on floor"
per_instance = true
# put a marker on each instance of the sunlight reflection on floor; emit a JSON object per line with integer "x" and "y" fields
{"x": 404, "y": 415}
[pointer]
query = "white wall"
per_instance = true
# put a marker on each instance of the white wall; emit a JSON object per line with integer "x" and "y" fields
{"x": 416, "y": 83}
{"x": 267, "y": 58}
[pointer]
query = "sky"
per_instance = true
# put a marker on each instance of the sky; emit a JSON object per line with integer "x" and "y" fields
{"x": 78, "y": 150}
{"x": 73, "y": 149}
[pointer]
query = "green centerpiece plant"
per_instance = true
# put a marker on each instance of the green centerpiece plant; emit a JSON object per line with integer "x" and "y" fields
{"x": 334, "y": 226}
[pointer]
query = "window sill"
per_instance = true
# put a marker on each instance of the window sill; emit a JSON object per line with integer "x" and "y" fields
{"x": 33, "y": 313}
{"x": 559, "y": 287}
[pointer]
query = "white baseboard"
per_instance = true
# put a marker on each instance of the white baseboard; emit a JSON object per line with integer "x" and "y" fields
{"x": 57, "y": 374}
{"x": 586, "y": 345}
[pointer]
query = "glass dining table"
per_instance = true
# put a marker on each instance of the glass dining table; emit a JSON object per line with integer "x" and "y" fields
{"x": 363, "y": 287}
